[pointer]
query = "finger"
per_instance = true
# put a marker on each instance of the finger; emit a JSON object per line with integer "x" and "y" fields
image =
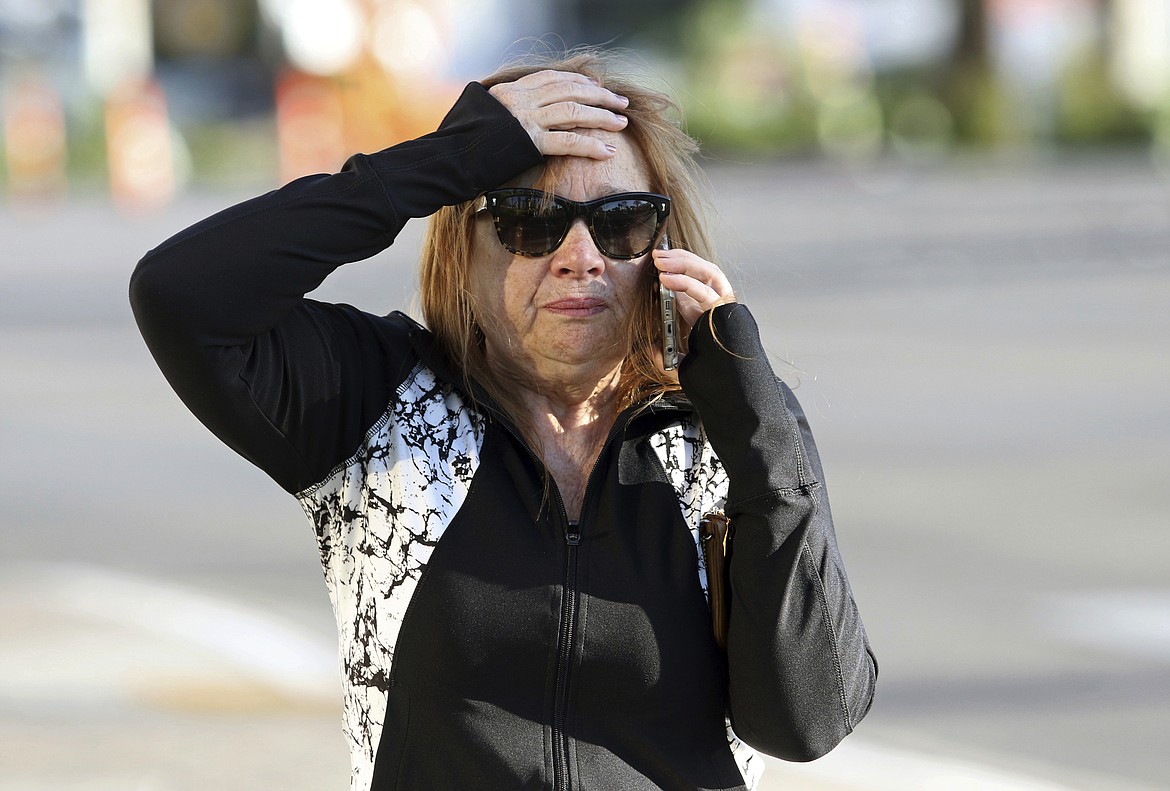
{"x": 573, "y": 144}
{"x": 532, "y": 86}
{"x": 544, "y": 77}
{"x": 687, "y": 308}
{"x": 523, "y": 96}
{"x": 566, "y": 116}
{"x": 683, "y": 262}
{"x": 582, "y": 91}
{"x": 702, "y": 296}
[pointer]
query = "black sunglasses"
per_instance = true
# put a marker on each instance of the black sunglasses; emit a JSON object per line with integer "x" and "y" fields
{"x": 533, "y": 223}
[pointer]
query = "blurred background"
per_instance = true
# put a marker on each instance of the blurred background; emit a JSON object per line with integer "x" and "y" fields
{"x": 951, "y": 217}
{"x": 151, "y": 96}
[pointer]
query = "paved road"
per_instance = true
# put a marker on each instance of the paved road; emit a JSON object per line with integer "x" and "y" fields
{"x": 985, "y": 351}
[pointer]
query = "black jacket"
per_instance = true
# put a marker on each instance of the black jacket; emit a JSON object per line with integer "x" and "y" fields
{"x": 486, "y": 641}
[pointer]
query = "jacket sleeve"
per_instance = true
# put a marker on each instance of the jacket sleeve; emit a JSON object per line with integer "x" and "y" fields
{"x": 289, "y": 383}
{"x": 801, "y": 671}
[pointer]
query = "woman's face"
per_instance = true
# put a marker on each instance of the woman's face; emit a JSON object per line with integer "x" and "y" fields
{"x": 570, "y": 307}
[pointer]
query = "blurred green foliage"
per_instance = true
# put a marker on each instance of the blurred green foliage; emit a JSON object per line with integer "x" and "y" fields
{"x": 226, "y": 154}
{"x": 748, "y": 89}
{"x": 1091, "y": 110}
{"x": 743, "y": 90}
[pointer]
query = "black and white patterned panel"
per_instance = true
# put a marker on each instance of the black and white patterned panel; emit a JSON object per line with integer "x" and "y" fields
{"x": 378, "y": 518}
{"x": 696, "y": 474}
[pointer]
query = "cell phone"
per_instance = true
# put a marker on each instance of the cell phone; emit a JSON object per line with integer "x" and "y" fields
{"x": 669, "y": 320}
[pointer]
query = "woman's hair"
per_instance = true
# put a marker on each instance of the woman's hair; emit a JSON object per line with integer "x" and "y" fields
{"x": 668, "y": 153}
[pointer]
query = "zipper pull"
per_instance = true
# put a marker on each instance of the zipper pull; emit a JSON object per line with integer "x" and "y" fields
{"x": 572, "y": 534}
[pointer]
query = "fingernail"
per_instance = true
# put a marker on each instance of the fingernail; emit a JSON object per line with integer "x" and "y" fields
{"x": 623, "y": 119}
{"x": 611, "y": 148}
{"x": 625, "y": 99}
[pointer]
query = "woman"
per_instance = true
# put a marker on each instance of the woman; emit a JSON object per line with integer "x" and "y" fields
{"x": 506, "y": 503}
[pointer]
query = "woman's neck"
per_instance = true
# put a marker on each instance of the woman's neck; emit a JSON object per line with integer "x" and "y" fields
{"x": 571, "y": 422}
{"x": 567, "y": 406}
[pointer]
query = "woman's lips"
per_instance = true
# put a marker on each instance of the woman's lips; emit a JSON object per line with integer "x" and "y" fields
{"x": 577, "y": 307}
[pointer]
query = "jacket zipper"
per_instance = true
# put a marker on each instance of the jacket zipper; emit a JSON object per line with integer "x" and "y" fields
{"x": 560, "y": 737}
{"x": 567, "y": 632}
{"x": 569, "y": 619}
{"x": 564, "y": 659}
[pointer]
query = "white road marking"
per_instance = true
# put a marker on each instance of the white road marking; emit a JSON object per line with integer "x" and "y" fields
{"x": 182, "y": 631}
{"x": 857, "y": 765}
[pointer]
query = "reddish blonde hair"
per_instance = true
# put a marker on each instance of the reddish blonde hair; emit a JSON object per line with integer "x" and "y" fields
{"x": 669, "y": 156}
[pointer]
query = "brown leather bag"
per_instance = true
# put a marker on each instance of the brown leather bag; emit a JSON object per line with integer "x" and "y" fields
{"x": 715, "y": 533}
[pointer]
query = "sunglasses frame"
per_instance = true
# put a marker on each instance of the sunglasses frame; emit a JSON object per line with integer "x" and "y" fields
{"x": 491, "y": 199}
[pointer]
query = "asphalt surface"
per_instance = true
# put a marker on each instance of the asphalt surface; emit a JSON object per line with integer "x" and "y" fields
{"x": 984, "y": 351}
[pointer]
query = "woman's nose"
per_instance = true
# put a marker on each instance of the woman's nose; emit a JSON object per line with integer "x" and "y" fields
{"x": 578, "y": 255}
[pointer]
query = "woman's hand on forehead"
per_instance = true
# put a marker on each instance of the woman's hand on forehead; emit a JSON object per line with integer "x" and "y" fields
{"x": 553, "y": 105}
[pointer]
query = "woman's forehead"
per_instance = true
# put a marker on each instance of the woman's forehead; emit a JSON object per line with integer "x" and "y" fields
{"x": 580, "y": 178}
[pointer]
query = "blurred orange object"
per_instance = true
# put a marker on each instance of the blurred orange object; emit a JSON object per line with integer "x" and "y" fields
{"x": 322, "y": 121}
{"x": 310, "y": 128}
{"x": 139, "y": 146}
{"x": 383, "y": 108}
{"x": 35, "y": 140}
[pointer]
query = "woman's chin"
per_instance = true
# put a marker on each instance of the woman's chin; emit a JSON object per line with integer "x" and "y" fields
{"x": 581, "y": 346}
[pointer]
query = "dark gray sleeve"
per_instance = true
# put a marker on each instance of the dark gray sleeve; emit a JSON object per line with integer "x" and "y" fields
{"x": 802, "y": 673}
{"x": 289, "y": 383}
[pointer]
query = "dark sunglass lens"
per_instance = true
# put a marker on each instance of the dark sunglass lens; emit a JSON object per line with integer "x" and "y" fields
{"x": 625, "y": 228}
{"x": 529, "y": 224}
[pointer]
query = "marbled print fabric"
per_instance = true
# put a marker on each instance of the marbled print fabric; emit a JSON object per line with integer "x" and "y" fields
{"x": 697, "y": 475}
{"x": 377, "y": 517}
